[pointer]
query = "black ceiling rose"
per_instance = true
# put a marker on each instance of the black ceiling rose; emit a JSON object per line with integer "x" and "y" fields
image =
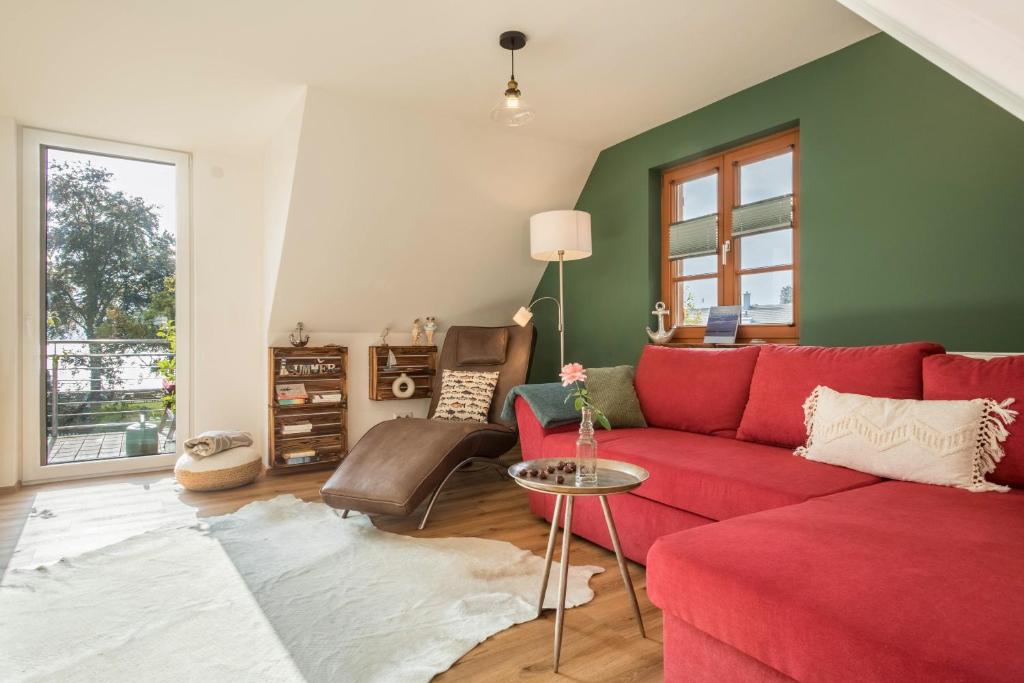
{"x": 512, "y": 40}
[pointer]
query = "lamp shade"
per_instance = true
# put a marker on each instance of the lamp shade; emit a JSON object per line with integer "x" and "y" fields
{"x": 523, "y": 316}
{"x": 566, "y": 231}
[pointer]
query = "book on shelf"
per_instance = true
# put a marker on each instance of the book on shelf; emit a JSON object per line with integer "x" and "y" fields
{"x": 292, "y": 456}
{"x": 327, "y": 397}
{"x": 297, "y": 428}
{"x": 291, "y": 394}
{"x": 286, "y": 391}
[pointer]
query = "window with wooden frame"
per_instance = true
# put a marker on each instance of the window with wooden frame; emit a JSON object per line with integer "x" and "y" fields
{"x": 730, "y": 237}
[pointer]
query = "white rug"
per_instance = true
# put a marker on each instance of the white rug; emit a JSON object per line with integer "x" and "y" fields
{"x": 281, "y": 590}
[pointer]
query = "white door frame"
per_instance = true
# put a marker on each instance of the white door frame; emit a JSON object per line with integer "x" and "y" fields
{"x": 33, "y": 335}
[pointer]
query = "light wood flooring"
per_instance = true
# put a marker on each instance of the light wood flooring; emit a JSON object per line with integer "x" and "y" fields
{"x": 41, "y": 524}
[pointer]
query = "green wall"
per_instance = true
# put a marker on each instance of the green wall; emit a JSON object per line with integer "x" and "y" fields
{"x": 912, "y": 199}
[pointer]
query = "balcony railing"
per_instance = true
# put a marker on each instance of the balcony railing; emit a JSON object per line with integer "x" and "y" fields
{"x": 97, "y": 388}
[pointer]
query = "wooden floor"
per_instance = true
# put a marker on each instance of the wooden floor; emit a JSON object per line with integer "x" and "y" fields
{"x": 82, "y": 447}
{"x": 601, "y": 643}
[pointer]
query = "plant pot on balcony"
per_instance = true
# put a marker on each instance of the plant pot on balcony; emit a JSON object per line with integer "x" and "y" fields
{"x": 141, "y": 438}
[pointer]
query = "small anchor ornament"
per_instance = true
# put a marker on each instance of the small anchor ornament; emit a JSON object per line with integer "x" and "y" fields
{"x": 662, "y": 336}
{"x": 297, "y": 338}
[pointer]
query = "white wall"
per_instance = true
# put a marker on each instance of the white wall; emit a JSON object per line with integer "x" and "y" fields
{"x": 229, "y": 356}
{"x": 397, "y": 214}
{"x": 278, "y": 176}
{"x": 10, "y": 303}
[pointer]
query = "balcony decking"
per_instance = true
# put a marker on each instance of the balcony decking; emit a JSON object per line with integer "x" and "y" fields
{"x": 107, "y": 446}
{"x": 95, "y": 388}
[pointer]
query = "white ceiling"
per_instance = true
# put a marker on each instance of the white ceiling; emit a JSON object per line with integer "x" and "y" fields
{"x": 981, "y": 42}
{"x": 197, "y": 74}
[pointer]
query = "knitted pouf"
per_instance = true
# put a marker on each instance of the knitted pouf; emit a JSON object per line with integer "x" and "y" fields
{"x": 234, "y": 467}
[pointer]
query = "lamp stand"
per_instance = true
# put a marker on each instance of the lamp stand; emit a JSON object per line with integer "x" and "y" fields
{"x": 561, "y": 309}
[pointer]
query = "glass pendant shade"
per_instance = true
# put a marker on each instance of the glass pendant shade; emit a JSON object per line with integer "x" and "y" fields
{"x": 512, "y": 112}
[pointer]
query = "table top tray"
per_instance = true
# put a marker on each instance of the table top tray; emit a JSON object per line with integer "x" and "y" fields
{"x": 613, "y": 476}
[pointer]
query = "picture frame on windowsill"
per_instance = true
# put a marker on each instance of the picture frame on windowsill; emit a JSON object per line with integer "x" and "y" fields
{"x": 723, "y": 323}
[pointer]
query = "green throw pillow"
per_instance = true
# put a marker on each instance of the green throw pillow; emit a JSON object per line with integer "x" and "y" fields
{"x": 614, "y": 395}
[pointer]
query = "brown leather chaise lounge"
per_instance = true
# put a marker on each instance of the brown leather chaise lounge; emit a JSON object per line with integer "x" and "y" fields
{"x": 400, "y": 462}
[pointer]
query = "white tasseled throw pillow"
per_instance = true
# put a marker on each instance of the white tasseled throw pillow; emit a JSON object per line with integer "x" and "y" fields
{"x": 465, "y": 396}
{"x": 952, "y": 443}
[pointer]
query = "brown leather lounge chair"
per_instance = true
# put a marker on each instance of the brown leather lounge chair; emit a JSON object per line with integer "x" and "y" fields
{"x": 400, "y": 462}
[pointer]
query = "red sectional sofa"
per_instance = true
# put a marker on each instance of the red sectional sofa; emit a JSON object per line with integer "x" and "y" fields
{"x": 770, "y": 567}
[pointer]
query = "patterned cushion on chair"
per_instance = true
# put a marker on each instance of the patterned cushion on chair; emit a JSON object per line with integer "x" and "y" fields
{"x": 465, "y": 395}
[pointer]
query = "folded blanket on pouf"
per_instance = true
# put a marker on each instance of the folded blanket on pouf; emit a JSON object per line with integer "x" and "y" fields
{"x": 215, "y": 441}
{"x": 547, "y": 401}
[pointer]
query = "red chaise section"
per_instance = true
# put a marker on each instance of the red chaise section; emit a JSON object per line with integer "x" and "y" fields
{"x": 893, "y": 582}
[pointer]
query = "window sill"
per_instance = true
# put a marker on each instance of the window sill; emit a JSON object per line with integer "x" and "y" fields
{"x": 695, "y": 344}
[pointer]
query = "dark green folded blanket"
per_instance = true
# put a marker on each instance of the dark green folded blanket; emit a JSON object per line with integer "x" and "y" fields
{"x": 547, "y": 401}
{"x": 610, "y": 388}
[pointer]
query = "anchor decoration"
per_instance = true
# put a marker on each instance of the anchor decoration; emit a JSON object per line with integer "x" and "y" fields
{"x": 297, "y": 338}
{"x": 662, "y": 336}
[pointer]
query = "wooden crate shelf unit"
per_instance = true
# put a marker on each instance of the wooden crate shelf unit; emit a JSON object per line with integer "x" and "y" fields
{"x": 308, "y": 407}
{"x": 418, "y": 362}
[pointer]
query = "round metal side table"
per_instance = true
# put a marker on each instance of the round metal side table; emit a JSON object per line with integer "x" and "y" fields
{"x": 612, "y": 477}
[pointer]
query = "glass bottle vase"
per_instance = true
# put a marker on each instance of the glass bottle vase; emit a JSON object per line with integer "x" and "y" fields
{"x": 586, "y": 451}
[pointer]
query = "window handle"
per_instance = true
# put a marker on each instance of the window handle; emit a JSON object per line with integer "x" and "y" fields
{"x": 726, "y": 246}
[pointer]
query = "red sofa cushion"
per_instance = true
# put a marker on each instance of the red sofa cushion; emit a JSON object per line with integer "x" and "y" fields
{"x": 639, "y": 521}
{"x": 952, "y": 377}
{"x": 695, "y": 390}
{"x": 786, "y": 375}
{"x": 892, "y": 582}
{"x": 563, "y": 444}
{"x": 531, "y": 433}
{"x": 716, "y": 477}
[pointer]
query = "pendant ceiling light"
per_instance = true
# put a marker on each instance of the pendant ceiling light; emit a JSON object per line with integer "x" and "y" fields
{"x": 512, "y": 111}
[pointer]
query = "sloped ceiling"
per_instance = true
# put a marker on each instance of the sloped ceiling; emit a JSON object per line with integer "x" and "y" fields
{"x": 394, "y": 217}
{"x": 404, "y": 200}
{"x": 980, "y": 42}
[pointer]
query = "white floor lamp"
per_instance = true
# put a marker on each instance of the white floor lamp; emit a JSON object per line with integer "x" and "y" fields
{"x": 557, "y": 236}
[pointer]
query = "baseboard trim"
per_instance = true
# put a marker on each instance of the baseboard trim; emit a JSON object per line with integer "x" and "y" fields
{"x": 10, "y": 489}
{"x": 169, "y": 467}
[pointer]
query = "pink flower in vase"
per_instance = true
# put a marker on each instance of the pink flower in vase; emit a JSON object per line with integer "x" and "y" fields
{"x": 572, "y": 373}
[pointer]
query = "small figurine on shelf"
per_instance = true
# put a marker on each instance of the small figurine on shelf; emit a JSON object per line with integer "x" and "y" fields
{"x": 430, "y": 327}
{"x": 297, "y": 338}
{"x": 662, "y": 335}
{"x": 383, "y": 341}
{"x": 417, "y": 332}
